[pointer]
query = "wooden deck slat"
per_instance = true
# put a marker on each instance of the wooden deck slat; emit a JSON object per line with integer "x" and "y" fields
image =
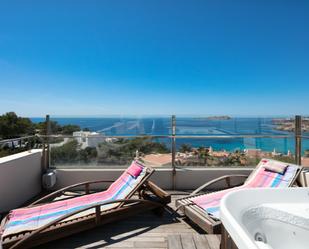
{"x": 187, "y": 241}
{"x": 213, "y": 240}
{"x": 152, "y": 244}
{"x": 193, "y": 241}
{"x": 174, "y": 242}
{"x": 201, "y": 242}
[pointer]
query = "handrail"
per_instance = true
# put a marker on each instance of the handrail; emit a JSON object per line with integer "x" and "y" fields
{"x": 155, "y": 136}
{"x": 3, "y": 141}
{"x": 175, "y": 136}
{"x": 226, "y": 177}
{"x": 61, "y": 191}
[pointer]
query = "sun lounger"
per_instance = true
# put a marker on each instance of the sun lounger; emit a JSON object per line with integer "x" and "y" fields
{"x": 45, "y": 221}
{"x": 204, "y": 209}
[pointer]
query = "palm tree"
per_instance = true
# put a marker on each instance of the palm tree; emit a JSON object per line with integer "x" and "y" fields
{"x": 203, "y": 154}
{"x": 237, "y": 158}
{"x": 185, "y": 148}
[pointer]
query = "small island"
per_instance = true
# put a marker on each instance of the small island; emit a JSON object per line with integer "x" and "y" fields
{"x": 214, "y": 118}
{"x": 219, "y": 118}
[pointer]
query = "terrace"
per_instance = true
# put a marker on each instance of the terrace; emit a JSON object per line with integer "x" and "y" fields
{"x": 178, "y": 170}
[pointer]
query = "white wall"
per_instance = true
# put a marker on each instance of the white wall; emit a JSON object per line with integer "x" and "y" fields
{"x": 20, "y": 179}
{"x": 186, "y": 179}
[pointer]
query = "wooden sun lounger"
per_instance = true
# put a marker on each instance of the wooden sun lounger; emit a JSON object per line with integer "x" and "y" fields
{"x": 199, "y": 216}
{"x": 149, "y": 196}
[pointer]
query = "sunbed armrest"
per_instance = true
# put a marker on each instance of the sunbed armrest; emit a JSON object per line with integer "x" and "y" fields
{"x": 227, "y": 179}
{"x": 156, "y": 190}
{"x": 61, "y": 191}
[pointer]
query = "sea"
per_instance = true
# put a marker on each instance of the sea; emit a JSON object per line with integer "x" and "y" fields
{"x": 194, "y": 126}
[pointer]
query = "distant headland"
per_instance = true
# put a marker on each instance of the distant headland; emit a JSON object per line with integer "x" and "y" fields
{"x": 289, "y": 124}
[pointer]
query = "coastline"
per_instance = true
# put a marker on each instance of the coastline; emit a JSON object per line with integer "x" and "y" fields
{"x": 192, "y": 126}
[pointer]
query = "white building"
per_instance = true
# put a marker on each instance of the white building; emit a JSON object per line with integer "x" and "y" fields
{"x": 253, "y": 152}
{"x": 275, "y": 153}
{"x": 80, "y": 136}
{"x": 88, "y": 138}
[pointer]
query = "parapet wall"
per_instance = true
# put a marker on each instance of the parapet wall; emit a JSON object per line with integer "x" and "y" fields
{"x": 20, "y": 179}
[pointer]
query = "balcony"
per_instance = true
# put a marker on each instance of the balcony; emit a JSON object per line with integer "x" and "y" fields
{"x": 183, "y": 162}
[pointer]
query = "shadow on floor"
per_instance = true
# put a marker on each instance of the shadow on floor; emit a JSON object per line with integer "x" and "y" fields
{"x": 125, "y": 233}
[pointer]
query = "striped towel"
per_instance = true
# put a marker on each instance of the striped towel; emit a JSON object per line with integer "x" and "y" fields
{"x": 260, "y": 179}
{"x": 32, "y": 218}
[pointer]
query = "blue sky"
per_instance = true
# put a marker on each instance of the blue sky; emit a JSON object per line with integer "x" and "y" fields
{"x": 154, "y": 57}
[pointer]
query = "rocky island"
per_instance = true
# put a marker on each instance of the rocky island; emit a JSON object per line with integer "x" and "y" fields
{"x": 216, "y": 118}
{"x": 219, "y": 118}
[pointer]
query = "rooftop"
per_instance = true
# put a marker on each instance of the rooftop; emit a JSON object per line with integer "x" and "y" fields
{"x": 169, "y": 229}
{"x": 179, "y": 168}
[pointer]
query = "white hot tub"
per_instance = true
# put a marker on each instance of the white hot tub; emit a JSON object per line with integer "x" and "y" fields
{"x": 267, "y": 218}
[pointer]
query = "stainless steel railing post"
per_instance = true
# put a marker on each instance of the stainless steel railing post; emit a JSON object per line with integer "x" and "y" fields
{"x": 298, "y": 137}
{"x": 174, "y": 150}
{"x": 48, "y": 132}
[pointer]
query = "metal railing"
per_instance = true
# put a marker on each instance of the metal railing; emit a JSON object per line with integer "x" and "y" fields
{"x": 298, "y": 139}
{"x": 298, "y": 136}
{"x": 18, "y": 142}
{"x": 12, "y": 140}
{"x": 173, "y": 136}
{"x": 45, "y": 141}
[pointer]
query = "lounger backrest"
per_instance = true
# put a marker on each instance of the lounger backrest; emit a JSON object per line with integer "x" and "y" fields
{"x": 126, "y": 184}
{"x": 263, "y": 178}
